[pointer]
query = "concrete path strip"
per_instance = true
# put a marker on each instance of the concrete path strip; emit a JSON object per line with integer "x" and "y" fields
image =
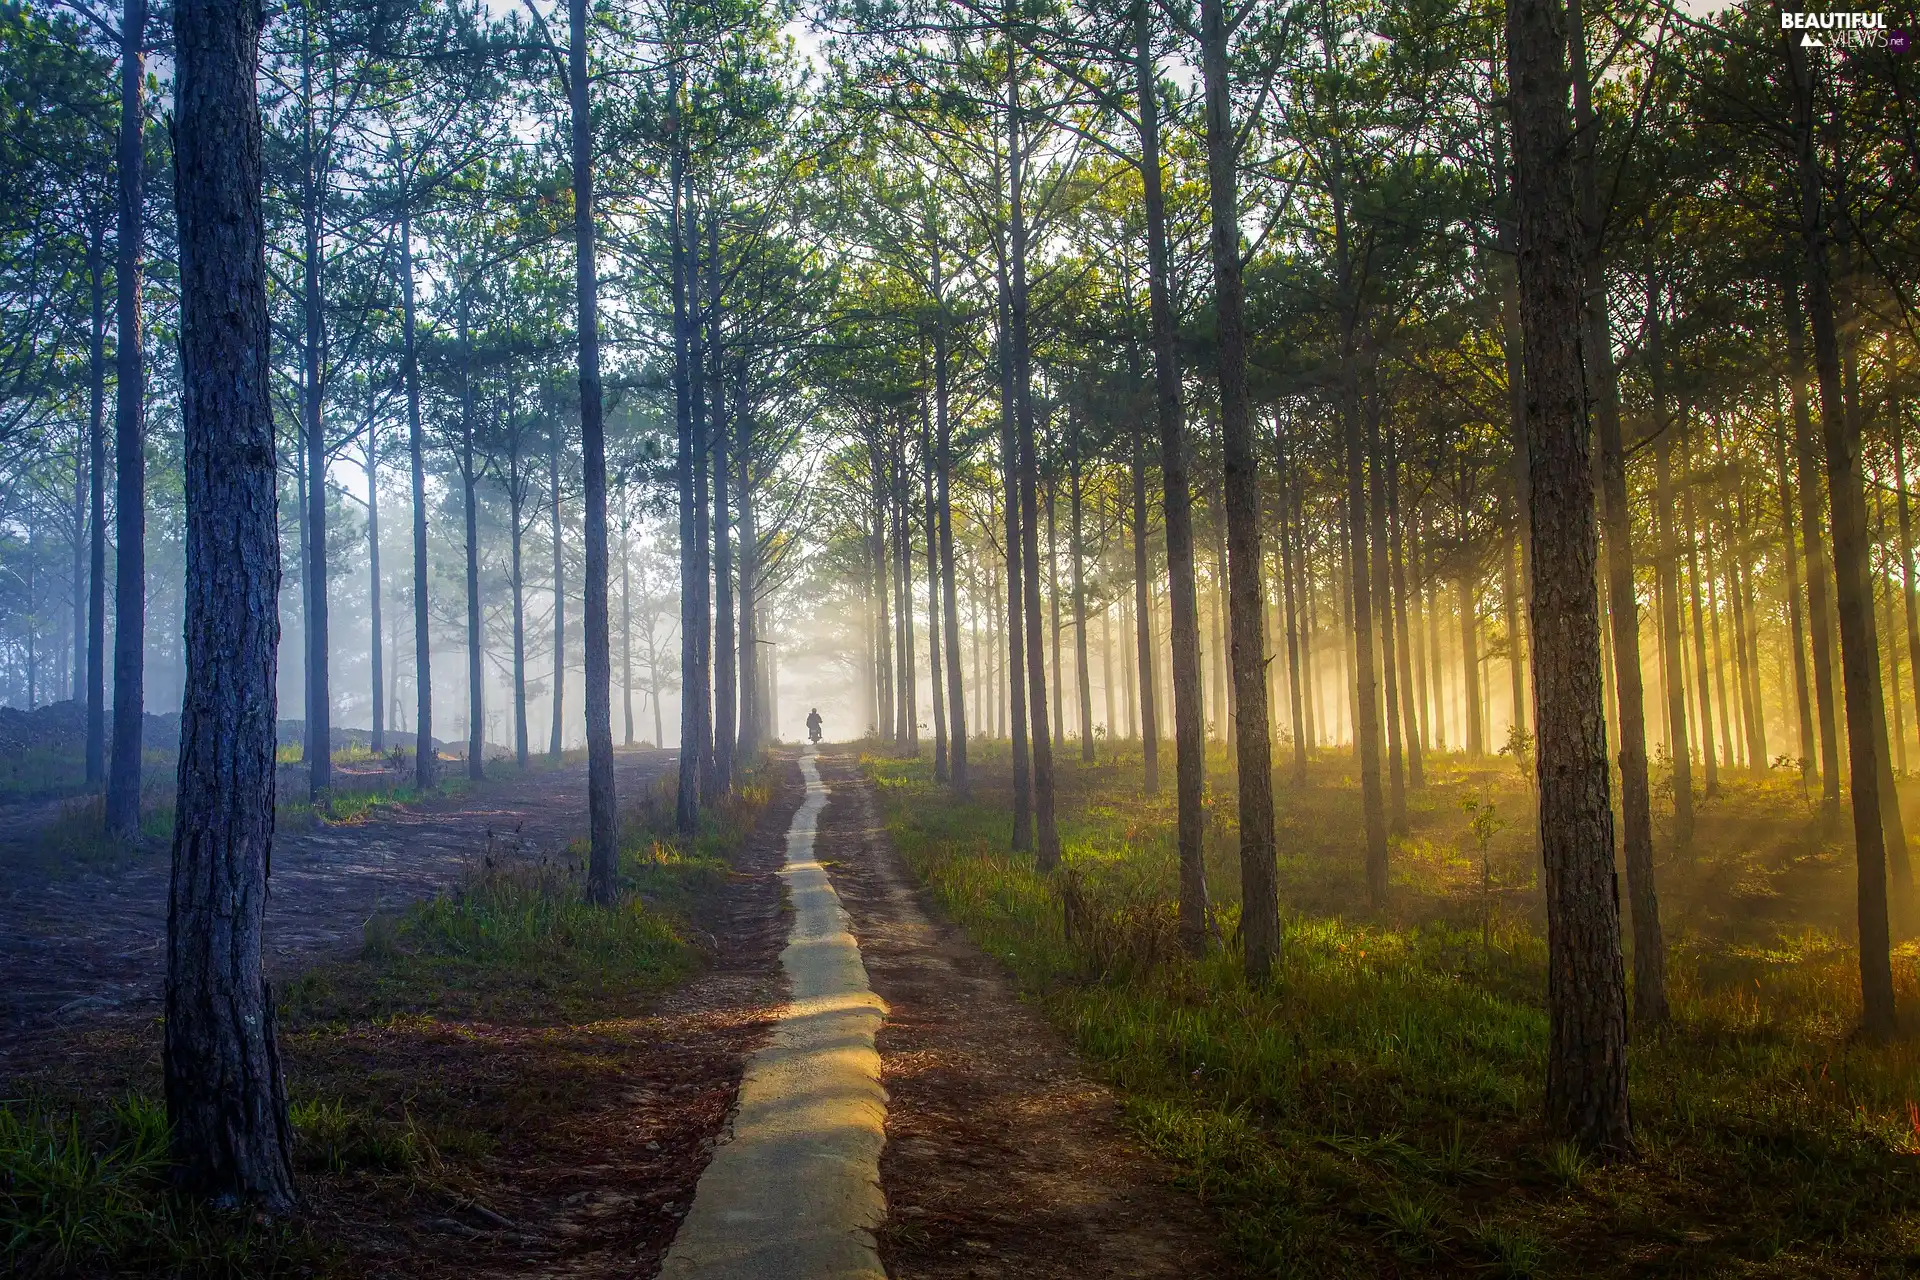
{"x": 793, "y": 1190}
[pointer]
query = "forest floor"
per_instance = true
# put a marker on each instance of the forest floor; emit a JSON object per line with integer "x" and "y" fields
{"x": 1376, "y": 1110}
{"x": 498, "y": 1080}
{"x": 501, "y": 1081}
{"x": 85, "y": 935}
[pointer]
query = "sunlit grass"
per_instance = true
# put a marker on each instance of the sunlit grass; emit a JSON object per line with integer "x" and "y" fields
{"x": 1376, "y": 1109}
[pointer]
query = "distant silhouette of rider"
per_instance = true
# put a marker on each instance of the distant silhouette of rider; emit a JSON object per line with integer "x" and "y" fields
{"x": 813, "y": 725}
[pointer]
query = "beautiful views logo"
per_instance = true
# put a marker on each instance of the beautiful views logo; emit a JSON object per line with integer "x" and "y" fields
{"x": 1850, "y": 30}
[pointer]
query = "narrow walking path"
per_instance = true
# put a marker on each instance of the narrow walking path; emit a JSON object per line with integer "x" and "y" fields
{"x": 793, "y": 1191}
{"x": 1004, "y": 1159}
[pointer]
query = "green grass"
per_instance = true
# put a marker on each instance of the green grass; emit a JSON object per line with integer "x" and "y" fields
{"x": 487, "y": 1013}
{"x": 1375, "y": 1111}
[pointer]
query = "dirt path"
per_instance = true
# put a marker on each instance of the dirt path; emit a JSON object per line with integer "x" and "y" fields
{"x": 793, "y": 1189}
{"x": 1003, "y": 1159}
{"x": 81, "y": 946}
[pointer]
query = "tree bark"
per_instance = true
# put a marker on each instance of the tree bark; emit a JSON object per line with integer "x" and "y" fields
{"x": 516, "y": 581}
{"x": 1803, "y": 698}
{"x": 1636, "y": 803}
{"x": 555, "y": 741}
{"x": 378, "y": 674}
{"x": 1288, "y": 519}
{"x": 1702, "y": 672}
{"x": 725, "y": 688}
{"x": 1046, "y": 835}
{"x": 602, "y": 814}
{"x": 1381, "y": 575}
{"x": 97, "y": 518}
{"x": 1076, "y": 550}
{"x": 130, "y": 430}
{"x": 1403, "y": 646}
{"x": 1812, "y": 516}
{"x": 1015, "y": 631}
{"x": 1587, "y": 1025}
{"x": 930, "y": 529}
{"x": 753, "y": 710}
{"x": 1259, "y": 877}
{"x": 687, "y": 797}
{"x": 226, "y": 1096}
{"x": 319, "y": 748}
{"x": 1146, "y": 680}
{"x": 1859, "y": 660}
{"x": 943, "y": 428}
{"x": 626, "y": 621}
{"x": 1912, "y": 610}
{"x": 424, "y": 754}
{"x": 469, "y": 484}
{"x": 1176, "y": 510}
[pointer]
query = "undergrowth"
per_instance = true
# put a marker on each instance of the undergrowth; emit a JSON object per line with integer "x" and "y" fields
{"x": 1375, "y": 1110}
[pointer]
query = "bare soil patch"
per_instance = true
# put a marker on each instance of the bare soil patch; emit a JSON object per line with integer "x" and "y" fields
{"x": 1003, "y": 1158}
{"x": 83, "y": 947}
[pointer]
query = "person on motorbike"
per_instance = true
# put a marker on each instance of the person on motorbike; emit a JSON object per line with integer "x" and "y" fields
{"x": 813, "y": 725}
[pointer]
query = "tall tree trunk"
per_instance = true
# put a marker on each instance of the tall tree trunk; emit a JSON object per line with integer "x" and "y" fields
{"x": 943, "y": 429}
{"x": 1587, "y": 1016}
{"x": 753, "y": 710}
{"x": 469, "y": 485}
{"x": 1259, "y": 878}
{"x": 378, "y": 680}
{"x": 1359, "y": 598}
{"x": 602, "y": 815}
{"x": 1015, "y": 698}
{"x": 1623, "y": 606}
{"x": 1059, "y": 675}
{"x": 1667, "y": 571}
{"x": 1912, "y": 610}
{"x": 1512, "y": 340}
{"x": 1702, "y": 671}
{"x": 555, "y": 741}
{"x": 517, "y": 581}
{"x": 130, "y": 425}
{"x": 1803, "y": 700}
{"x": 698, "y": 695}
{"x": 626, "y": 620}
{"x": 687, "y": 797}
{"x": 425, "y": 756}
{"x": 901, "y": 497}
{"x": 1719, "y": 659}
{"x": 1143, "y": 616}
{"x": 97, "y": 519}
{"x": 1380, "y": 573}
{"x": 725, "y": 722}
{"x": 1812, "y": 516}
{"x": 928, "y": 466}
{"x": 313, "y": 429}
{"x": 1636, "y": 802}
{"x": 1859, "y": 661}
{"x": 231, "y": 1140}
{"x": 1403, "y": 648}
{"x": 1046, "y": 835}
{"x": 1289, "y": 499}
{"x": 1176, "y": 508}
{"x": 1077, "y": 550}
